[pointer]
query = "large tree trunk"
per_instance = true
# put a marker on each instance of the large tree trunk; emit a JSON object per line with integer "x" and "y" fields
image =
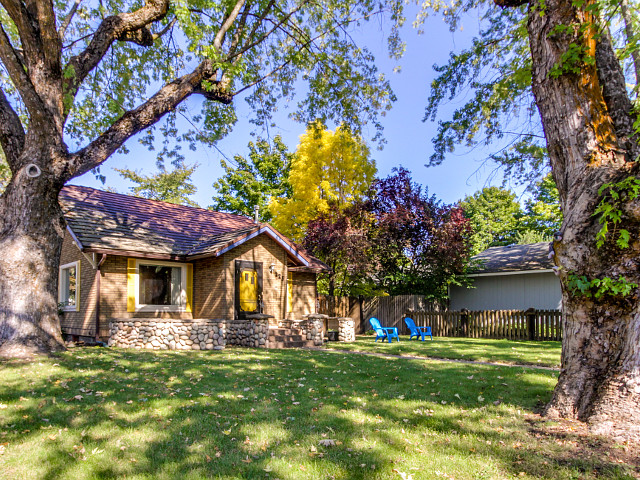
{"x": 31, "y": 233}
{"x": 586, "y": 119}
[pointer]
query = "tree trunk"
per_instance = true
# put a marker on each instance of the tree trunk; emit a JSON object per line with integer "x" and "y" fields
{"x": 588, "y": 146}
{"x": 31, "y": 233}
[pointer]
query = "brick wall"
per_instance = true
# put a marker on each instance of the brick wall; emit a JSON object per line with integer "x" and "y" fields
{"x": 81, "y": 322}
{"x": 209, "y": 289}
{"x": 274, "y": 285}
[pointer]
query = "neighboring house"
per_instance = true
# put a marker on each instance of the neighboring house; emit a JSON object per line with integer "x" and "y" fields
{"x": 515, "y": 277}
{"x": 132, "y": 258}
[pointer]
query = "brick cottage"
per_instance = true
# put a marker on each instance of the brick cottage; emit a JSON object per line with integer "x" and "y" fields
{"x": 141, "y": 273}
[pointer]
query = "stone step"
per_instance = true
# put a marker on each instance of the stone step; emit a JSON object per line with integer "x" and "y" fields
{"x": 286, "y": 338}
{"x": 291, "y": 344}
{"x": 285, "y": 331}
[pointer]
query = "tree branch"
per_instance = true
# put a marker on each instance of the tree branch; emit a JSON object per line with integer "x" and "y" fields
{"x": 11, "y": 132}
{"x": 165, "y": 29}
{"x": 24, "y": 22}
{"x": 50, "y": 42}
{"x": 147, "y": 114}
{"x": 17, "y": 71}
{"x": 67, "y": 20}
{"x": 217, "y": 41}
{"x": 131, "y": 26}
{"x": 510, "y": 3}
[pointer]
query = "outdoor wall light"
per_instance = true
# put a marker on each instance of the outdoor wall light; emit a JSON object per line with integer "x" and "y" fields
{"x": 272, "y": 268}
{"x": 33, "y": 170}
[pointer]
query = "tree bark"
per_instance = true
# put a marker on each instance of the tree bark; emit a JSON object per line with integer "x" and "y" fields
{"x": 31, "y": 233}
{"x": 600, "y": 377}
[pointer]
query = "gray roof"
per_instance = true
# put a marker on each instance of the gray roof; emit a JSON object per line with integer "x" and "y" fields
{"x": 514, "y": 258}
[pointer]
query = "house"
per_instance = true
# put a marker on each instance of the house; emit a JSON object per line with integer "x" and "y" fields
{"x": 143, "y": 270}
{"x": 515, "y": 277}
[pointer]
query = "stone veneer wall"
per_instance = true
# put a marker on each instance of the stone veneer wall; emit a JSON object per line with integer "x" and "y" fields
{"x": 313, "y": 328}
{"x": 154, "y": 334}
{"x": 346, "y": 329}
{"x": 248, "y": 333}
{"x": 157, "y": 334}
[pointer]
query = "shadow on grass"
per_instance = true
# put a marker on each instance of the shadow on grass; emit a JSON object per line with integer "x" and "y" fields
{"x": 266, "y": 414}
{"x": 476, "y": 349}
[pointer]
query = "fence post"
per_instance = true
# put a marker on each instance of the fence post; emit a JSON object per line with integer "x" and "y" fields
{"x": 464, "y": 321}
{"x": 531, "y": 323}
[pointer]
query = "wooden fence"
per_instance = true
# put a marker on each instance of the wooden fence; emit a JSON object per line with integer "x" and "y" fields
{"x": 509, "y": 324}
{"x": 390, "y": 309}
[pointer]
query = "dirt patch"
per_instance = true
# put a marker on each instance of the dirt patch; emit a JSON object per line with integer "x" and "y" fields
{"x": 598, "y": 455}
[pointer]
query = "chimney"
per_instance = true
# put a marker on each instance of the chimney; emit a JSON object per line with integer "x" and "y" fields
{"x": 255, "y": 213}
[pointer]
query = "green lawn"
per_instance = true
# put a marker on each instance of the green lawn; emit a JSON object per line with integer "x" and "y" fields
{"x": 476, "y": 349}
{"x": 287, "y": 414}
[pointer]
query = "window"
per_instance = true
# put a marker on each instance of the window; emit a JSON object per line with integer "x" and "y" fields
{"x": 69, "y": 286}
{"x": 161, "y": 286}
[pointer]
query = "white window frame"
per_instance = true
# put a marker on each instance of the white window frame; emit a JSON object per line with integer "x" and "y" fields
{"x": 162, "y": 308}
{"x": 69, "y": 308}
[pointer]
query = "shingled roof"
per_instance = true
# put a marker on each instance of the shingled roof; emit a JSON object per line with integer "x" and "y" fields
{"x": 111, "y": 222}
{"x": 514, "y": 258}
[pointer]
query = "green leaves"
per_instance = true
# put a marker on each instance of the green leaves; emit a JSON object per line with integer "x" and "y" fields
{"x": 609, "y": 210}
{"x": 496, "y": 70}
{"x": 255, "y": 180}
{"x": 598, "y": 288}
{"x": 173, "y": 187}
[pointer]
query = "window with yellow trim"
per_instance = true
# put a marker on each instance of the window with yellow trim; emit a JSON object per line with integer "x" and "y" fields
{"x": 161, "y": 286}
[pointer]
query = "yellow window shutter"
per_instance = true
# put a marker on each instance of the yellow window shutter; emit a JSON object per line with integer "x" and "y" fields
{"x": 131, "y": 284}
{"x": 78, "y": 283}
{"x": 189, "y": 305}
{"x": 290, "y": 292}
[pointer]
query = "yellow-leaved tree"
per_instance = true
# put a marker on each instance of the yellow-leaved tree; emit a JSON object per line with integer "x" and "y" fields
{"x": 330, "y": 169}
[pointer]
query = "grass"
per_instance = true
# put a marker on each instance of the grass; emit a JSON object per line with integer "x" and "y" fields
{"x": 284, "y": 414}
{"x": 477, "y": 349}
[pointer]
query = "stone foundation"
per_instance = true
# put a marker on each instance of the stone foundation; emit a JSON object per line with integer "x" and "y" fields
{"x": 346, "y": 329}
{"x": 248, "y": 333}
{"x": 156, "y": 334}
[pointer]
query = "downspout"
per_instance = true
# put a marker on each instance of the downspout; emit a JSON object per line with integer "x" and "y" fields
{"x": 97, "y": 283}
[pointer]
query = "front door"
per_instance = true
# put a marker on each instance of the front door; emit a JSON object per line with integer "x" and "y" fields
{"x": 248, "y": 288}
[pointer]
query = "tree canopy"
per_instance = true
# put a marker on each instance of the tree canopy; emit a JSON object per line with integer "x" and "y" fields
{"x": 173, "y": 186}
{"x": 397, "y": 241}
{"x": 254, "y": 180}
{"x": 495, "y": 216}
{"x": 330, "y": 169}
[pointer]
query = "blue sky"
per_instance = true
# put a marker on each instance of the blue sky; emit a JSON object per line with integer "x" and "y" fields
{"x": 408, "y": 137}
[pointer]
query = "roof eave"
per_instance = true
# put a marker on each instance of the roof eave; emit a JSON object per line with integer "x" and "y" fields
{"x": 510, "y": 272}
{"x": 132, "y": 253}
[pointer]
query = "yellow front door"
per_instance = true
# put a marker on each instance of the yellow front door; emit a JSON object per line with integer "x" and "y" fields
{"x": 248, "y": 290}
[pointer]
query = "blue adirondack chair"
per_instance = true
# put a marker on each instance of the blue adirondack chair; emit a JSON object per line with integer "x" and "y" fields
{"x": 383, "y": 332}
{"x": 421, "y": 332}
